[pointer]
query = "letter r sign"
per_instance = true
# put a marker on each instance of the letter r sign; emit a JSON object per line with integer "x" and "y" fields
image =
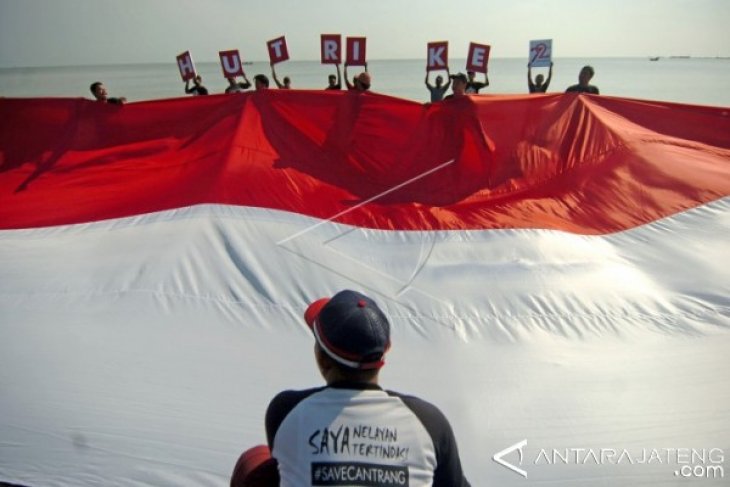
{"x": 331, "y": 48}
{"x": 478, "y": 57}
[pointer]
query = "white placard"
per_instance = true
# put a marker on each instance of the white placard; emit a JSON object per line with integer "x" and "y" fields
{"x": 541, "y": 53}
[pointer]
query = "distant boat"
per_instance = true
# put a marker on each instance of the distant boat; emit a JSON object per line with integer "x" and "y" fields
{"x": 656, "y": 58}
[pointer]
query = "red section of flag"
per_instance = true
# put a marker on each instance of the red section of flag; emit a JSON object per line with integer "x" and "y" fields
{"x": 570, "y": 162}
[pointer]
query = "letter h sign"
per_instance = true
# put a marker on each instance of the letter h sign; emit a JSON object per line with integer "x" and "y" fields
{"x": 186, "y": 66}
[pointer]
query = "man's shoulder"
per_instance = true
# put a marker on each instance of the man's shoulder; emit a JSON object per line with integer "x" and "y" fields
{"x": 293, "y": 396}
{"x": 420, "y": 407}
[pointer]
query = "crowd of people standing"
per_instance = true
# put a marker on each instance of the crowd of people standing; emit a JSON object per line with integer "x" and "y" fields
{"x": 461, "y": 84}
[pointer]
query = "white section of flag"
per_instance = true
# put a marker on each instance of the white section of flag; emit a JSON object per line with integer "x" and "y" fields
{"x": 144, "y": 350}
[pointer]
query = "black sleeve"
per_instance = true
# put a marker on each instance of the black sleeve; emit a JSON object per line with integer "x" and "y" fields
{"x": 202, "y": 90}
{"x": 245, "y": 85}
{"x": 114, "y": 101}
{"x": 280, "y": 406}
{"x": 448, "y": 471}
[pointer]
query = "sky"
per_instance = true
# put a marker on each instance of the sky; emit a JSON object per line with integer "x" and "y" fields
{"x": 89, "y": 32}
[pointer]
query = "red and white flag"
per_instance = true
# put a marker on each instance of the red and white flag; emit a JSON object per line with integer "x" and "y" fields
{"x": 559, "y": 277}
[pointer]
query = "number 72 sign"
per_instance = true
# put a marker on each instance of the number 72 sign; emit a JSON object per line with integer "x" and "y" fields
{"x": 541, "y": 53}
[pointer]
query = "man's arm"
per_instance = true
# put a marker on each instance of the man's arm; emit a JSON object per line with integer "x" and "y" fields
{"x": 550, "y": 76}
{"x": 187, "y": 87}
{"x": 530, "y": 84}
{"x": 428, "y": 85}
{"x": 347, "y": 80}
{"x": 339, "y": 77}
{"x": 276, "y": 80}
{"x": 246, "y": 83}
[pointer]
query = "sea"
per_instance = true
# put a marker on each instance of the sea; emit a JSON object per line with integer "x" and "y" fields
{"x": 686, "y": 80}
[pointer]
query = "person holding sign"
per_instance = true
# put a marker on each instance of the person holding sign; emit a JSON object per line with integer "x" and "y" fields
{"x": 235, "y": 87}
{"x": 540, "y": 85}
{"x": 584, "y": 79}
{"x": 286, "y": 85}
{"x": 334, "y": 82}
{"x": 473, "y": 86}
{"x": 438, "y": 91}
{"x": 198, "y": 88}
{"x": 361, "y": 82}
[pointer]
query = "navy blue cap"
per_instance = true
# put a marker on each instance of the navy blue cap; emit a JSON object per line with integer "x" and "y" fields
{"x": 351, "y": 329}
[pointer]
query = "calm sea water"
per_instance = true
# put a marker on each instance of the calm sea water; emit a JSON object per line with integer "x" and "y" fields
{"x": 702, "y": 81}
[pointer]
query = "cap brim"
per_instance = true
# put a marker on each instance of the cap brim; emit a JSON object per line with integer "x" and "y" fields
{"x": 313, "y": 310}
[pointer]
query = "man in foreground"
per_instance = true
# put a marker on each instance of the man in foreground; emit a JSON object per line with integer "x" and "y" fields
{"x": 583, "y": 86}
{"x": 351, "y": 431}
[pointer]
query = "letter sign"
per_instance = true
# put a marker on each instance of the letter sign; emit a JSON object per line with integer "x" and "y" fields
{"x": 437, "y": 55}
{"x": 277, "y": 50}
{"x": 331, "y": 48}
{"x": 356, "y": 51}
{"x": 478, "y": 57}
{"x": 231, "y": 63}
{"x": 186, "y": 66}
{"x": 541, "y": 53}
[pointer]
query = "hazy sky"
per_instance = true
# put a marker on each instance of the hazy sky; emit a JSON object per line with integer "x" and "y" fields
{"x": 78, "y": 32}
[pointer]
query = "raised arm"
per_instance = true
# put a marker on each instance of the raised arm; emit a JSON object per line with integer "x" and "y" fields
{"x": 428, "y": 85}
{"x": 448, "y": 77}
{"x": 246, "y": 83}
{"x": 530, "y": 84}
{"x": 347, "y": 80}
{"x": 276, "y": 80}
{"x": 550, "y": 76}
{"x": 187, "y": 86}
{"x": 339, "y": 76}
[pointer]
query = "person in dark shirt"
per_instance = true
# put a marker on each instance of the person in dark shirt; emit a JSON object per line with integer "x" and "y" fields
{"x": 473, "y": 86}
{"x": 540, "y": 85}
{"x": 286, "y": 85}
{"x": 100, "y": 94}
{"x": 235, "y": 87}
{"x": 334, "y": 82}
{"x": 198, "y": 88}
{"x": 438, "y": 91}
{"x": 352, "y": 337}
{"x": 261, "y": 82}
{"x": 584, "y": 78}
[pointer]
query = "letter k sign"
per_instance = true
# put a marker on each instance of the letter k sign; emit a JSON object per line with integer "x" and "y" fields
{"x": 517, "y": 446}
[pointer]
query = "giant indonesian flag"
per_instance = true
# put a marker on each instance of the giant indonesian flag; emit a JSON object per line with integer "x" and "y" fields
{"x": 556, "y": 269}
